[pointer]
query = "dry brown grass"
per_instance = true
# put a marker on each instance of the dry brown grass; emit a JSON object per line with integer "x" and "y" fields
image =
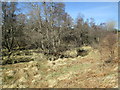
{"x": 89, "y": 71}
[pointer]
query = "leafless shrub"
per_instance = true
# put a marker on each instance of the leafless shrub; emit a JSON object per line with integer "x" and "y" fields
{"x": 48, "y": 27}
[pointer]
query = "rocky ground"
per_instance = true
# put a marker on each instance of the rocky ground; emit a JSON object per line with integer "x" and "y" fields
{"x": 89, "y": 71}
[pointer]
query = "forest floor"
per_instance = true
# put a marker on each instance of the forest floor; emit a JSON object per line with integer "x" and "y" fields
{"x": 89, "y": 71}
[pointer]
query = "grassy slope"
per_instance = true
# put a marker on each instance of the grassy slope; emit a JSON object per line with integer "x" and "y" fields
{"x": 82, "y": 72}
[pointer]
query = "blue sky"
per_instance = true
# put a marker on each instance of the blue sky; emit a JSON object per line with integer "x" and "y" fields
{"x": 100, "y": 11}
